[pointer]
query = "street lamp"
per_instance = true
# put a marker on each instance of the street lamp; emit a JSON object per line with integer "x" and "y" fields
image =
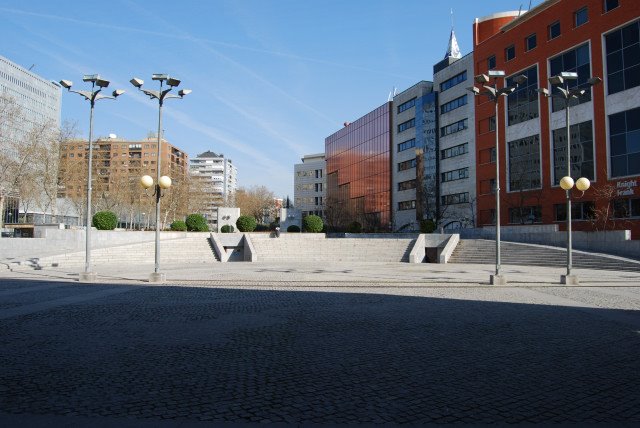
{"x": 494, "y": 95}
{"x": 97, "y": 85}
{"x": 561, "y": 82}
{"x": 163, "y": 182}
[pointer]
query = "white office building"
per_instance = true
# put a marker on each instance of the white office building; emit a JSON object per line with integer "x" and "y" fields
{"x": 310, "y": 185}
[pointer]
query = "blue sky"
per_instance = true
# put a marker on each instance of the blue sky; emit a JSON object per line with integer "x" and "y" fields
{"x": 270, "y": 79}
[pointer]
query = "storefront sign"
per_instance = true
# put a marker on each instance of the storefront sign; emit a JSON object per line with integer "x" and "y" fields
{"x": 626, "y": 188}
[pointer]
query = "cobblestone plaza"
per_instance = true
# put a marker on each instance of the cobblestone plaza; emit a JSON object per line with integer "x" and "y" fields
{"x": 300, "y": 345}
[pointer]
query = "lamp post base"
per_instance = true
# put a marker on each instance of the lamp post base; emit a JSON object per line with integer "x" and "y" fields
{"x": 88, "y": 277}
{"x": 569, "y": 280}
{"x": 157, "y": 278}
{"x": 498, "y": 280}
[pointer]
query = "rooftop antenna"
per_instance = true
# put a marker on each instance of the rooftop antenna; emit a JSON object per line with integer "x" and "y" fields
{"x": 520, "y": 10}
{"x": 31, "y": 68}
{"x": 452, "y": 18}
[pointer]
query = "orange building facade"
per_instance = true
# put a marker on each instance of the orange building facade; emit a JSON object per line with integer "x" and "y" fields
{"x": 358, "y": 171}
{"x": 594, "y": 38}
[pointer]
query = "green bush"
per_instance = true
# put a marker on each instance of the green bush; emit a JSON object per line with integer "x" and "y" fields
{"x": 105, "y": 220}
{"x": 227, "y": 228}
{"x": 354, "y": 227}
{"x": 427, "y": 226}
{"x": 179, "y": 226}
{"x": 196, "y": 223}
{"x": 261, "y": 228}
{"x": 246, "y": 223}
{"x": 312, "y": 224}
{"x": 293, "y": 228}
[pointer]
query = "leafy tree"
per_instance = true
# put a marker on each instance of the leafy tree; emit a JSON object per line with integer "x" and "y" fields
{"x": 196, "y": 223}
{"x": 105, "y": 220}
{"x": 427, "y": 226}
{"x": 227, "y": 228}
{"x": 354, "y": 227}
{"x": 179, "y": 225}
{"x": 312, "y": 224}
{"x": 293, "y": 228}
{"x": 246, "y": 223}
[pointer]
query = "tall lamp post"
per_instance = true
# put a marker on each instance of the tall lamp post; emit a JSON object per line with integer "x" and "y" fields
{"x": 97, "y": 85}
{"x": 494, "y": 95}
{"x": 566, "y": 94}
{"x": 162, "y": 182}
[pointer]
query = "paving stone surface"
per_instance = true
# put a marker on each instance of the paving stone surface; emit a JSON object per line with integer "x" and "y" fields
{"x": 326, "y": 353}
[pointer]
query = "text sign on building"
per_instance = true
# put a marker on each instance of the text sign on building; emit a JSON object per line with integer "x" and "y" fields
{"x": 626, "y": 188}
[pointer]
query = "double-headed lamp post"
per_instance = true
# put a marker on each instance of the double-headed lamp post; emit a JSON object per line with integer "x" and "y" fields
{"x": 561, "y": 82}
{"x": 494, "y": 95}
{"x": 97, "y": 85}
{"x": 163, "y": 182}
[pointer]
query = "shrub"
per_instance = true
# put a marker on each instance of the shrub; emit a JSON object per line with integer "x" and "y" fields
{"x": 246, "y": 223}
{"x": 196, "y": 223}
{"x": 427, "y": 226}
{"x": 105, "y": 220}
{"x": 293, "y": 228}
{"x": 261, "y": 228}
{"x": 354, "y": 227}
{"x": 179, "y": 226}
{"x": 312, "y": 224}
{"x": 227, "y": 228}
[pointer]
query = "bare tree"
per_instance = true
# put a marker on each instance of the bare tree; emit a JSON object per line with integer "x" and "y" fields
{"x": 256, "y": 201}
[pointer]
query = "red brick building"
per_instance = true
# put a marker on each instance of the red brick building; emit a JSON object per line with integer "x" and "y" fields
{"x": 592, "y": 38}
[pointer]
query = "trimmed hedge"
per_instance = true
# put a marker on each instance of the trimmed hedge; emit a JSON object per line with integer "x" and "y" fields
{"x": 196, "y": 223}
{"x": 293, "y": 228}
{"x": 105, "y": 220}
{"x": 227, "y": 228}
{"x": 261, "y": 228}
{"x": 178, "y": 226}
{"x": 354, "y": 227}
{"x": 427, "y": 226}
{"x": 312, "y": 224}
{"x": 246, "y": 223}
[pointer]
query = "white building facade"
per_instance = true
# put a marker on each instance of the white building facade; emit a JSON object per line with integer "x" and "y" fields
{"x": 217, "y": 180}
{"x": 310, "y": 185}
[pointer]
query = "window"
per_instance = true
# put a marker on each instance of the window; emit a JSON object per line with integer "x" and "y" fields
{"x": 581, "y": 152}
{"x": 624, "y": 208}
{"x": 318, "y": 200}
{"x": 525, "y": 215}
{"x": 454, "y": 151}
{"x": 457, "y": 174}
{"x": 554, "y": 30}
{"x": 458, "y": 78}
{"x": 406, "y": 205}
{"x": 456, "y": 198}
{"x": 524, "y": 163}
{"x": 491, "y": 62}
{"x": 623, "y": 58}
{"x": 406, "y": 125}
{"x": 318, "y": 187}
{"x": 406, "y": 185}
{"x": 522, "y": 103}
{"x": 579, "y": 211}
{"x": 581, "y": 17}
{"x": 488, "y": 155}
{"x": 530, "y": 42}
{"x": 403, "y": 166}
{"x": 510, "y": 53}
{"x": 610, "y": 4}
{"x": 407, "y": 105}
{"x": 318, "y": 173}
{"x": 406, "y": 145}
{"x": 624, "y": 143}
{"x": 453, "y": 104}
{"x": 453, "y": 128}
{"x": 577, "y": 60}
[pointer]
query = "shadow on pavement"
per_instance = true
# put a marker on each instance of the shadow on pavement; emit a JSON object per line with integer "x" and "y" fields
{"x": 224, "y": 354}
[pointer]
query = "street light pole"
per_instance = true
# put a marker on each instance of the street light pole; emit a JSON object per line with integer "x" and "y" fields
{"x": 566, "y": 94}
{"x": 494, "y": 94}
{"x": 162, "y": 182}
{"x": 92, "y": 96}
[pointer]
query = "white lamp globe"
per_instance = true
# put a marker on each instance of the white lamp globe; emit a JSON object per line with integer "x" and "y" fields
{"x": 164, "y": 182}
{"x": 583, "y": 184}
{"x": 566, "y": 183}
{"x": 146, "y": 181}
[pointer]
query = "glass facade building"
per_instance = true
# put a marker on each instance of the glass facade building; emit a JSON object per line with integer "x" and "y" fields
{"x": 358, "y": 170}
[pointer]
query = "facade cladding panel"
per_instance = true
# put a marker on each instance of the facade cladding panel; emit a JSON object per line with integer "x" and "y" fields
{"x": 606, "y": 45}
{"x": 358, "y": 169}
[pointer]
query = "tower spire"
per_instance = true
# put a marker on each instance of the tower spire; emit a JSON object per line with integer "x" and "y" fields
{"x": 453, "y": 50}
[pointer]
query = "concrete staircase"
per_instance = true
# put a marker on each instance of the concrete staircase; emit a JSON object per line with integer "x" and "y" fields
{"x": 194, "y": 248}
{"x": 482, "y": 251}
{"x": 316, "y": 247}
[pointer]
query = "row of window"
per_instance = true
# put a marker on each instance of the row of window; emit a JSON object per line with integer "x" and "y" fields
{"x": 406, "y": 185}
{"x": 403, "y": 166}
{"x": 407, "y": 105}
{"x": 453, "y": 81}
{"x": 453, "y": 104}
{"x": 406, "y": 145}
{"x": 458, "y": 150}
{"x": 457, "y": 174}
{"x": 458, "y": 126}
{"x": 407, "y": 205}
{"x": 407, "y": 125}
{"x": 455, "y": 198}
